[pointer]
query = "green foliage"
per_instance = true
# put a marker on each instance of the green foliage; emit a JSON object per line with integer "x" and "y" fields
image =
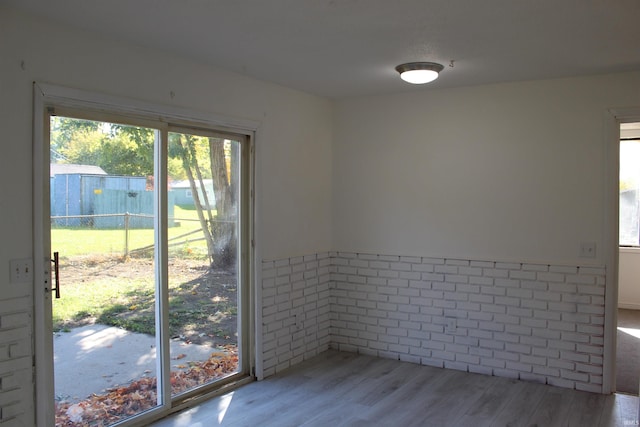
{"x": 192, "y": 149}
{"x": 118, "y": 149}
{"x": 64, "y": 130}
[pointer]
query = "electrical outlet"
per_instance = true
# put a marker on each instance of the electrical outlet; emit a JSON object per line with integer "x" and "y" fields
{"x": 588, "y": 249}
{"x": 21, "y": 270}
{"x": 450, "y": 327}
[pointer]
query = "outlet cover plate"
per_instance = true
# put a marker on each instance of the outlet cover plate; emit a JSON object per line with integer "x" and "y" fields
{"x": 451, "y": 326}
{"x": 588, "y": 249}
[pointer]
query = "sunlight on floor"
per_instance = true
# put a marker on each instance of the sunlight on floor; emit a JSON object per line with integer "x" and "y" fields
{"x": 633, "y": 332}
{"x": 184, "y": 419}
{"x": 225, "y": 402}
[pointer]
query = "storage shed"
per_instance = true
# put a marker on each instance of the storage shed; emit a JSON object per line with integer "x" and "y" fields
{"x": 184, "y": 193}
{"x": 80, "y": 194}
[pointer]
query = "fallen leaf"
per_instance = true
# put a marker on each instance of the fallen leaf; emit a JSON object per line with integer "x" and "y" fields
{"x": 123, "y": 402}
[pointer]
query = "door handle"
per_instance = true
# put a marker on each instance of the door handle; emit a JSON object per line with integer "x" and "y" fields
{"x": 56, "y": 270}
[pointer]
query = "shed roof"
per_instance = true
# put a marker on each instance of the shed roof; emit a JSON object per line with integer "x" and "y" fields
{"x": 65, "y": 168}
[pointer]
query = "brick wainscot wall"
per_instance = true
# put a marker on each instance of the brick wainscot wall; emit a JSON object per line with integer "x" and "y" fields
{"x": 535, "y": 322}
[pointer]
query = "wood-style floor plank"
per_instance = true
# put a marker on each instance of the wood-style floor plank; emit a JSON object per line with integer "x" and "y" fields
{"x": 586, "y": 409}
{"x": 522, "y": 405}
{"x": 412, "y": 397}
{"x": 450, "y": 401}
{"x": 553, "y": 409}
{"x": 493, "y": 401}
{"x": 346, "y": 389}
{"x": 620, "y": 410}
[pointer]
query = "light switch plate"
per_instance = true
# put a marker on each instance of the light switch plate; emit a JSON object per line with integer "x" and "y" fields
{"x": 21, "y": 270}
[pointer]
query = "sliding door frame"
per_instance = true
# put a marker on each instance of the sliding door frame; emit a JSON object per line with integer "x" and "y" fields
{"x": 48, "y": 99}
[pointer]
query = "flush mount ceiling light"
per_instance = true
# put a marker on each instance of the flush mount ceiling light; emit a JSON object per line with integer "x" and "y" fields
{"x": 419, "y": 72}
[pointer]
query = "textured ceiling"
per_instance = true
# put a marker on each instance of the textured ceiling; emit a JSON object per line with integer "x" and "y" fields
{"x": 343, "y": 48}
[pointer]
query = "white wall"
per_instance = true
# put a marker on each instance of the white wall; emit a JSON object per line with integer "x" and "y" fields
{"x": 295, "y": 128}
{"x": 476, "y": 180}
{"x": 293, "y": 160}
{"x": 629, "y": 279}
{"x": 500, "y": 172}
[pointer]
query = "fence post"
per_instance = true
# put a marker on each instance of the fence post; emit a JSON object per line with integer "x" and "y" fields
{"x": 126, "y": 234}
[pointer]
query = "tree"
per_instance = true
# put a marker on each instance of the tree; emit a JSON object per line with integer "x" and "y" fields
{"x": 64, "y": 129}
{"x": 225, "y": 177}
{"x": 219, "y": 230}
{"x": 117, "y": 149}
{"x": 129, "y": 150}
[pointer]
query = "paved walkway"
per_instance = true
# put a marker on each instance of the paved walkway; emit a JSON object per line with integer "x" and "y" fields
{"x": 94, "y": 358}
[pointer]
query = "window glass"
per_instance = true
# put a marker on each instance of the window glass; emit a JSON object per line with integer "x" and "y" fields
{"x": 629, "y": 186}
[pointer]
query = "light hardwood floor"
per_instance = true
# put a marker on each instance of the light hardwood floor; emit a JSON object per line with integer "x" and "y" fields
{"x": 628, "y": 352}
{"x": 346, "y": 389}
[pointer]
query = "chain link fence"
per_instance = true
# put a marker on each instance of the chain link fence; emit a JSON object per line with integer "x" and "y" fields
{"x": 126, "y": 234}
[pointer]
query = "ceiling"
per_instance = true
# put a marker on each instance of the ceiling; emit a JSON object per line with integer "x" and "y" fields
{"x": 344, "y": 48}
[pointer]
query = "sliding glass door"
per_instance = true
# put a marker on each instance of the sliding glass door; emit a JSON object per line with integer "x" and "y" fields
{"x": 149, "y": 240}
{"x": 204, "y": 256}
{"x": 103, "y": 244}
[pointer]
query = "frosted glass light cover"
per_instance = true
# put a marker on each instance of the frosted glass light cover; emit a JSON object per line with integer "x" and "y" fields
{"x": 419, "y": 76}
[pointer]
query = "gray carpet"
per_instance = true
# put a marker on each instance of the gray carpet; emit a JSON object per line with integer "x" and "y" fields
{"x": 628, "y": 352}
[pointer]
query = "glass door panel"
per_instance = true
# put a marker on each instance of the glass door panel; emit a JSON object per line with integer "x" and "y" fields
{"x": 102, "y": 228}
{"x": 150, "y": 303}
{"x": 204, "y": 178}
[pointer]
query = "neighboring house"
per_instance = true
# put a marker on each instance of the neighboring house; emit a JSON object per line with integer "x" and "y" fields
{"x": 184, "y": 194}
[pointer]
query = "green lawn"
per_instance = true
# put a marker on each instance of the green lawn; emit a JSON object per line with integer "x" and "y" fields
{"x": 105, "y": 297}
{"x": 101, "y": 298}
{"x": 122, "y": 293}
{"x": 72, "y": 242}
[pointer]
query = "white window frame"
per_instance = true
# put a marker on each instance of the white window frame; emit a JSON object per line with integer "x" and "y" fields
{"x": 612, "y": 119}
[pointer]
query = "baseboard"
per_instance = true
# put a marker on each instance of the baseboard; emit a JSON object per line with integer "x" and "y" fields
{"x": 629, "y": 306}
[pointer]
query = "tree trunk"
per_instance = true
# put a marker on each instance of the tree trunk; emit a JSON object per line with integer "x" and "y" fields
{"x": 205, "y": 196}
{"x": 188, "y": 163}
{"x": 224, "y": 228}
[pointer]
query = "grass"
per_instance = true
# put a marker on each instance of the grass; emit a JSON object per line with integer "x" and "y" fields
{"x": 72, "y": 241}
{"x": 122, "y": 299}
{"x": 129, "y": 303}
{"x": 101, "y": 298}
